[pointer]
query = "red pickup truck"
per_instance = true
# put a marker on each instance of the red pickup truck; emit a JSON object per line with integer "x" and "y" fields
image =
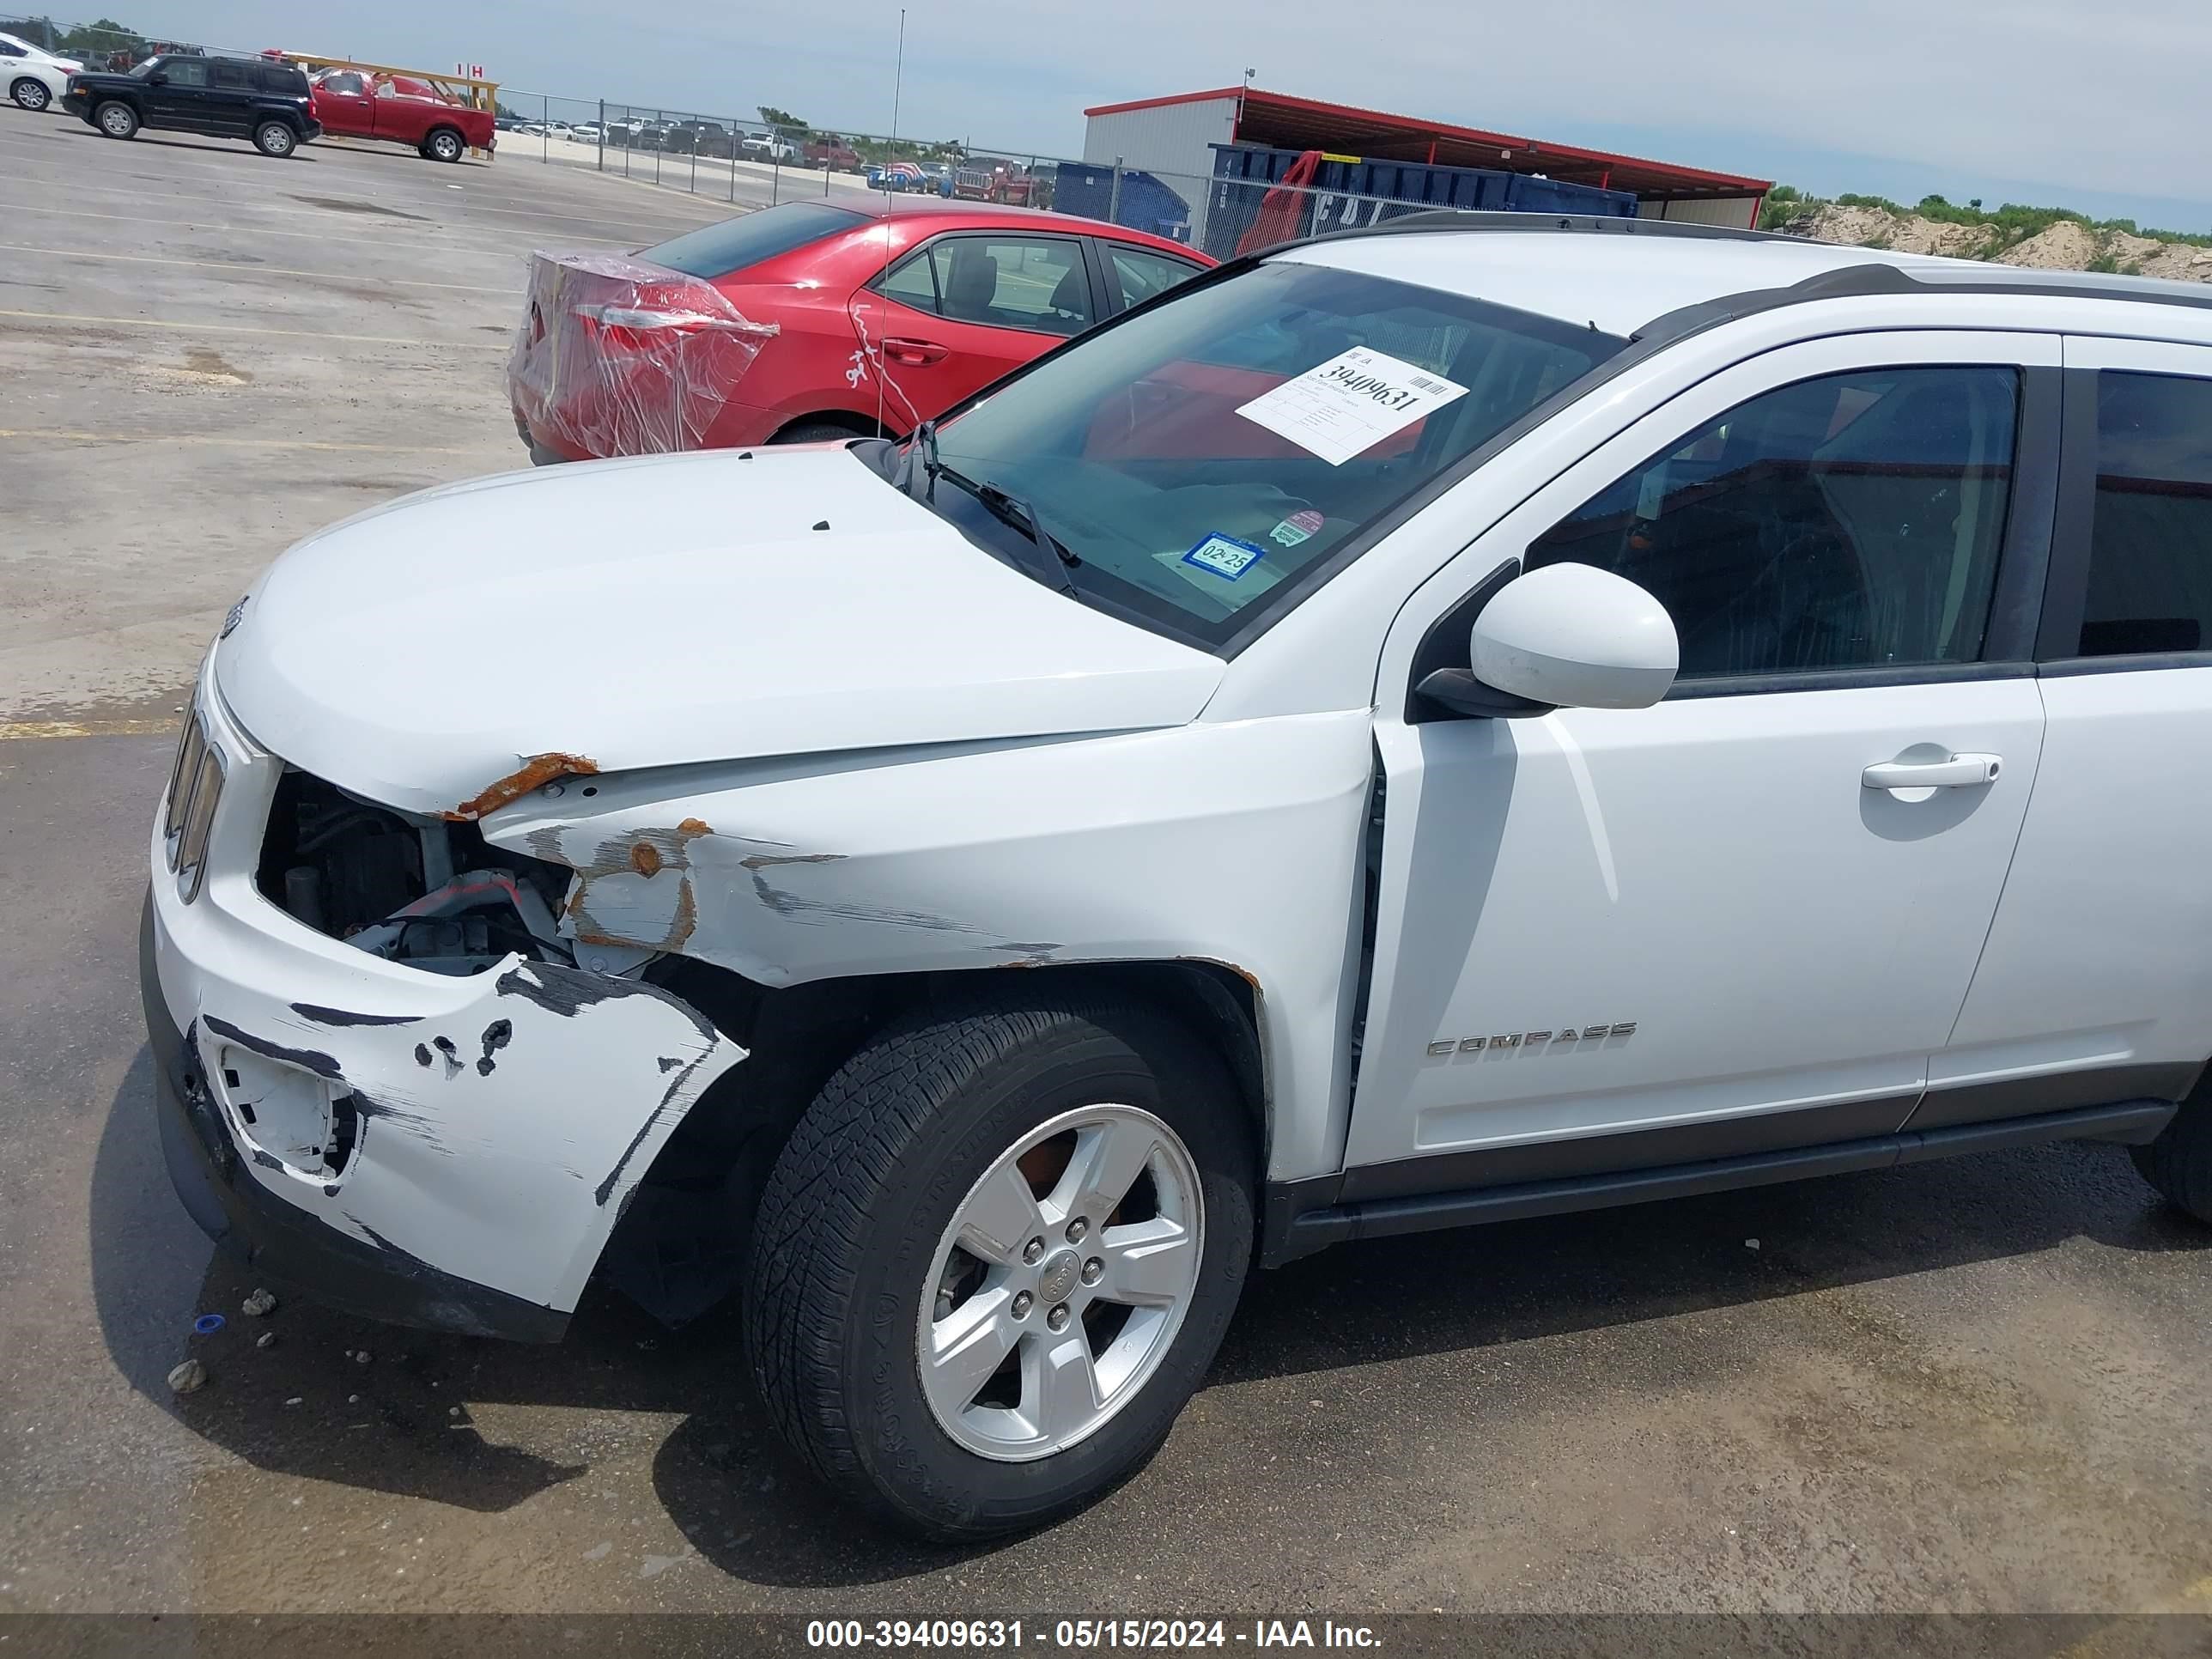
{"x": 356, "y": 104}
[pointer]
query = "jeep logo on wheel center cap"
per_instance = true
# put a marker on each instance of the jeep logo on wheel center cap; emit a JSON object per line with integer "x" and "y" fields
{"x": 1059, "y": 1277}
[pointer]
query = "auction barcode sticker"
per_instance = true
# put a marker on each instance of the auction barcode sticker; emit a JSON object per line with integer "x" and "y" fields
{"x": 1346, "y": 406}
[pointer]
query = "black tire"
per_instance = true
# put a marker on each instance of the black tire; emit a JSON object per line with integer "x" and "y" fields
{"x": 2179, "y": 1161}
{"x": 443, "y": 145}
{"x": 117, "y": 119}
{"x": 30, "y": 93}
{"x": 815, "y": 432}
{"x": 276, "y": 138}
{"x": 848, "y": 1226}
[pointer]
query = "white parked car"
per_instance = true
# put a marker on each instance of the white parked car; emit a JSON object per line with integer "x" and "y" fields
{"x": 991, "y": 891}
{"x": 587, "y": 134}
{"x": 35, "y": 78}
{"x": 766, "y": 147}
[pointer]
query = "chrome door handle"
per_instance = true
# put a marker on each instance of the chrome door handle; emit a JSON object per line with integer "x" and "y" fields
{"x": 1960, "y": 772}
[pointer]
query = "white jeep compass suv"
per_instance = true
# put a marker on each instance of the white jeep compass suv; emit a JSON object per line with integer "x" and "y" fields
{"x": 1469, "y": 719}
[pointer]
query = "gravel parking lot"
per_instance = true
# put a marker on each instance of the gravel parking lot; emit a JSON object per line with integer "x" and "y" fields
{"x": 203, "y": 359}
{"x": 1965, "y": 1386}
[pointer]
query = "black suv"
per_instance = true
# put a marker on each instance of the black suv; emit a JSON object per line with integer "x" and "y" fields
{"x": 228, "y": 97}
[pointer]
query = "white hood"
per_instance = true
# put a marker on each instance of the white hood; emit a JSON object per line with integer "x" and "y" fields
{"x": 665, "y": 610}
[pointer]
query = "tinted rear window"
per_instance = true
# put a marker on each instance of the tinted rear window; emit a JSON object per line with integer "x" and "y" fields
{"x": 714, "y": 251}
{"x": 283, "y": 78}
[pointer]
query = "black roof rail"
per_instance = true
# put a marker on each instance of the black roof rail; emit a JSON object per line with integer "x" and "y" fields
{"x": 1601, "y": 224}
{"x": 1865, "y": 278}
{"x": 1872, "y": 277}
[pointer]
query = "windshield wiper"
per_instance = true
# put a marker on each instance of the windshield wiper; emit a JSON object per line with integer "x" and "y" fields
{"x": 924, "y": 465}
{"x": 921, "y": 457}
{"x": 1009, "y": 509}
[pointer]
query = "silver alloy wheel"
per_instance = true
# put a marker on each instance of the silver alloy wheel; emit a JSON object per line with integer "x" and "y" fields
{"x": 31, "y": 95}
{"x": 1045, "y": 1313}
{"x": 117, "y": 122}
{"x": 277, "y": 139}
{"x": 446, "y": 147}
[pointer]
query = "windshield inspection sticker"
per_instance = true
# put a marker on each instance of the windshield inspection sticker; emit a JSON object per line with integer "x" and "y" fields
{"x": 1224, "y": 555}
{"x": 1348, "y": 405}
{"x": 1298, "y": 527}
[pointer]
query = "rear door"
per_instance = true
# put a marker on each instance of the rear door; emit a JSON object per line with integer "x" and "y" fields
{"x": 232, "y": 89}
{"x": 2097, "y": 982}
{"x": 964, "y": 309}
{"x": 1134, "y": 275}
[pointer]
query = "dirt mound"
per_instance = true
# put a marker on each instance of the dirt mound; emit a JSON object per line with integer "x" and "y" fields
{"x": 2067, "y": 245}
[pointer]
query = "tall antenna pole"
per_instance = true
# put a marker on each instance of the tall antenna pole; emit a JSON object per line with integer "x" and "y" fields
{"x": 898, "y": 75}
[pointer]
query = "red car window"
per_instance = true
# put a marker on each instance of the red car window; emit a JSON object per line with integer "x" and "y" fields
{"x": 1035, "y": 282}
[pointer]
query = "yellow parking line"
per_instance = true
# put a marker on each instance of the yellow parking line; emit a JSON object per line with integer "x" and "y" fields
{"x": 17, "y": 730}
{"x": 311, "y": 235}
{"x": 241, "y": 328}
{"x": 270, "y": 270}
{"x": 66, "y": 436}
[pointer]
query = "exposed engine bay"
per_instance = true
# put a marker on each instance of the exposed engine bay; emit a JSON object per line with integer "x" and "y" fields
{"x": 424, "y": 890}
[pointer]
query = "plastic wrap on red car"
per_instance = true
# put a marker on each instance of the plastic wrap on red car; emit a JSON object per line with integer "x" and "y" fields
{"x": 618, "y": 357}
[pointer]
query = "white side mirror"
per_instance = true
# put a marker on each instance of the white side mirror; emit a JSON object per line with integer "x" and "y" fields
{"x": 1576, "y": 638}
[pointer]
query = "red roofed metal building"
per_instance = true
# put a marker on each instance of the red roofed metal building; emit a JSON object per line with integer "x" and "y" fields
{"x": 1180, "y": 139}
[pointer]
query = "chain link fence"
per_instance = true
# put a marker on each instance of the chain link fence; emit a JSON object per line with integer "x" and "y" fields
{"x": 751, "y": 163}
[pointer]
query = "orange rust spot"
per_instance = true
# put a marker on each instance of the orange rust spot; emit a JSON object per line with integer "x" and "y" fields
{"x": 680, "y": 926}
{"x": 645, "y": 859}
{"x": 535, "y": 774}
{"x": 693, "y": 827}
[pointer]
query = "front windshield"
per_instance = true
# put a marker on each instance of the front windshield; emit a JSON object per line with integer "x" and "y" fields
{"x": 1198, "y": 457}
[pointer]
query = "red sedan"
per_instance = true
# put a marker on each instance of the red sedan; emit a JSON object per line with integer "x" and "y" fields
{"x": 812, "y": 321}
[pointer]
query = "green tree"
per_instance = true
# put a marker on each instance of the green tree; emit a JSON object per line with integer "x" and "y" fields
{"x": 100, "y": 38}
{"x": 779, "y": 117}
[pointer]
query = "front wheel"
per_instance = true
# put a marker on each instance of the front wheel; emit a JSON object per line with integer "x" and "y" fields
{"x": 31, "y": 94}
{"x": 2178, "y": 1163}
{"x": 997, "y": 1257}
{"x": 443, "y": 145}
{"x": 116, "y": 120}
{"x": 274, "y": 138}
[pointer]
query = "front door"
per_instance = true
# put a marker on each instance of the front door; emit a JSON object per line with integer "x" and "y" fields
{"x": 179, "y": 99}
{"x": 1743, "y": 919}
{"x": 955, "y": 314}
{"x": 343, "y": 103}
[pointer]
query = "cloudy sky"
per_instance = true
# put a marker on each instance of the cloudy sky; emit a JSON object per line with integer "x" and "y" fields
{"x": 2047, "y": 101}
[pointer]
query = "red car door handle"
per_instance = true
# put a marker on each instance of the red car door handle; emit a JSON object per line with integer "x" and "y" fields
{"x": 914, "y": 351}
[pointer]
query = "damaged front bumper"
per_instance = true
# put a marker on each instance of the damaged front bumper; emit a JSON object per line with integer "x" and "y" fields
{"x": 208, "y": 1170}
{"x": 449, "y": 1151}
